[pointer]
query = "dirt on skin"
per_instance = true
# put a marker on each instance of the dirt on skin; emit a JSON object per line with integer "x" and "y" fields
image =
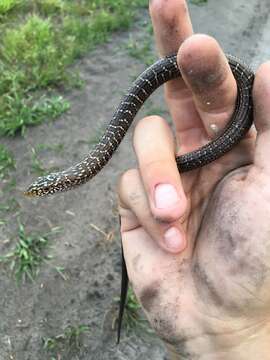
{"x": 92, "y": 262}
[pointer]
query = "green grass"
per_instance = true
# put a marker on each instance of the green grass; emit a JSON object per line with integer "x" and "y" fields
{"x": 37, "y": 166}
{"x": 11, "y": 205}
{"x": 58, "y": 148}
{"x": 70, "y": 340}
{"x": 141, "y": 50}
{"x": 198, "y": 2}
{"x": 29, "y": 253}
{"x": 155, "y": 110}
{"x": 40, "y": 39}
{"x": 7, "y": 5}
{"x": 9, "y": 185}
{"x": 132, "y": 314}
{"x": 133, "y": 320}
{"x": 7, "y": 162}
{"x": 6, "y": 208}
{"x": 20, "y": 112}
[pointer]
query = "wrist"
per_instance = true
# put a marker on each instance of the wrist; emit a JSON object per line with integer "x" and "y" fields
{"x": 252, "y": 343}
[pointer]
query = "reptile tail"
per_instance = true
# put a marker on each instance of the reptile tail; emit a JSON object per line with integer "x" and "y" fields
{"x": 124, "y": 290}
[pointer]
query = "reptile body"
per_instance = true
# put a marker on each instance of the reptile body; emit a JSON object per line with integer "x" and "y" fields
{"x": 160, "y": 72}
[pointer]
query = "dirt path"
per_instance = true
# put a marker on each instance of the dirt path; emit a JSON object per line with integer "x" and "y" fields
{"x": 92, "y": 264}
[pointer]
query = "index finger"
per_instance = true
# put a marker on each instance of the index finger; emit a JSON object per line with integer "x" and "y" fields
{"x": 172, "y": 26}
{"x": 171, "y": 23}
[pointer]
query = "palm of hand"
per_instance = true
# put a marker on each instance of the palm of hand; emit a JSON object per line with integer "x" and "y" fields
{"x": 218, "y": 284}
{"x": 210, "y": 298}
{"x": 218, "y": 287}
{"x": 224, "y": 271}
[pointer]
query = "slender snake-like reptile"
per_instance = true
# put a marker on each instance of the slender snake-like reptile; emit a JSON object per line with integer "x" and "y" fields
{"x": 160, "y": 72}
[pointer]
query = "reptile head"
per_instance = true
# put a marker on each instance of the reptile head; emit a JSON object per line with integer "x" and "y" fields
{"x": 44, "y": 185}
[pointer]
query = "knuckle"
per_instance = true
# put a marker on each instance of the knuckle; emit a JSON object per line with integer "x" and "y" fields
{"x": 167, "y": 218}
{"x": 148, "y": 125}
{"x": 153, "y": 168}
{"x": 148, "y": 121}
{"x": 131, "y": 192}
{"x": 134, "y": 197}
{"x": 125, "y": 180}
{"x": 124, "y": 213}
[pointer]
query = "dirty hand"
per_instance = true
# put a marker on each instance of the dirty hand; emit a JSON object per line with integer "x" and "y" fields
{"x": 197, "y": 245}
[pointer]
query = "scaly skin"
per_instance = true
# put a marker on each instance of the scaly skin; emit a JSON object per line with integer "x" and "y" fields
{"x": 162, "y": 71}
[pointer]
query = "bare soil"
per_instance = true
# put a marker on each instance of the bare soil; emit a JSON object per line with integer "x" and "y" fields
{"x": 92, "y": 263}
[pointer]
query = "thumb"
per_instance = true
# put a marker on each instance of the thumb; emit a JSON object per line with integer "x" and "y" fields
{"x": 261, "y": 97}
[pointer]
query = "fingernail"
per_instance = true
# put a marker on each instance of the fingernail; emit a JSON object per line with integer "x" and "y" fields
{"x": 165, "y": 196}
{"x": 173, "y": 239}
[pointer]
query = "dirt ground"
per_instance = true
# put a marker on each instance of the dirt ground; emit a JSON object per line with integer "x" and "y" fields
{"x": 92, "y": 264}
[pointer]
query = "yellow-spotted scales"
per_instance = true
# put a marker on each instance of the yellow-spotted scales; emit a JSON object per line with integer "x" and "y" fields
{"x": 160, "y": 72}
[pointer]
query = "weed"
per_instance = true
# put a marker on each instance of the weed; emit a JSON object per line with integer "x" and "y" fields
{"x": 7, "y": 5}
{"x": 141, "y": 50}
{"x": 11, "y": 205}
{"x": 7, "y": 161}
{"x": 35, "y": 55}
{"x": 61, "y": 271}
{"x": 132, "y": 316}
{"x": 10, "y": 185}
{"x": 108, "y": 236}
{"x": 2, "y": 222}
{"x": 133, "y": 321}
{"x": 50, "y": 7}
{"x": 198, "y": 2}
{"x": 28, "y": 254}
{"x": 149, "y": 29}
{"x": 156, "y": 111}
{"x": 21, "y": 112}
{"x": 140, "y": 3}
{"x": 31, "y": 50}
{"x": 69, "y": 340}
{"x": 37, "y": 165}
{"x": 58, "y": 148}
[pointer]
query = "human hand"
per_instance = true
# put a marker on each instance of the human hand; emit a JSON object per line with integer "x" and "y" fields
{"x": 197, "y": 244}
